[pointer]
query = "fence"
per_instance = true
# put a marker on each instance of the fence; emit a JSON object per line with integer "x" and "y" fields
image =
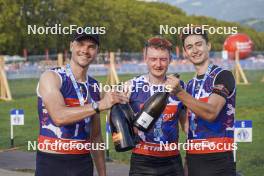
{"x": 127, "y": 63}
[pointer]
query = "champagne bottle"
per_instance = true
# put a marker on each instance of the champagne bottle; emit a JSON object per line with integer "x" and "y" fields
{"x": 151, "y": 110}
{"x": 121, "y": 117}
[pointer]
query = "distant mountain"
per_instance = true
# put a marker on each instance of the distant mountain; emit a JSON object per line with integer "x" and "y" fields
{"x": 257, "y": 24}
{"x": 234, "y": 10}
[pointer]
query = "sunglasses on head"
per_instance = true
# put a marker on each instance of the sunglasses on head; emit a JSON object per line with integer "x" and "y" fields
{"x": 158, "y": 42}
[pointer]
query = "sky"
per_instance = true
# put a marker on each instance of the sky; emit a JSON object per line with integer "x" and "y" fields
{"x": 228, "y": 10}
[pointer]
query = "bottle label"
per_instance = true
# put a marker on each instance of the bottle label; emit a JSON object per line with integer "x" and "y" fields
{"x": 144, "y": 120}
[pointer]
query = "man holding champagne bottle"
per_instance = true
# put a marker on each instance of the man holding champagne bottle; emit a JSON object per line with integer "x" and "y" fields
{"x": 69, "y": 108}
{"x": 210, "y": 97}
{"x": 148, "y": 157}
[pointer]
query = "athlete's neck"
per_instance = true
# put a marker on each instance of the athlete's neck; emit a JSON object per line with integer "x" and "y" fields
{"x": 78, "y": 71}
{"x": 202, "y": 68}
{"x": 156, "y": 80}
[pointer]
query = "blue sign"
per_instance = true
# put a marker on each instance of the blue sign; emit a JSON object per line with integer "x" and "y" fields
{"x": 243, "y": 131}
{"x": 108, "y": 128}
{"x": 243, "y": 124}
{"x": 17, "y": 117}
{"x": 17, "y": 112}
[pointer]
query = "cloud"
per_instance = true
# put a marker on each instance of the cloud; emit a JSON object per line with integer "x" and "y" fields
{"x": 196, "y": 3}
{"x": 180, "y": 1}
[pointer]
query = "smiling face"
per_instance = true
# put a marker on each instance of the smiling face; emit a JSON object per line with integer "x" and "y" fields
{"x": 196, "y": 49}
{"x": 157, "y": 60}
{"x": 84, "y": 52}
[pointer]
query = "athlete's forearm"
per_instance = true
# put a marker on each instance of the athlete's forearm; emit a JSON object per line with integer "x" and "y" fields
{"x": 68, "y": 115}
{"x": 204, "y": 110}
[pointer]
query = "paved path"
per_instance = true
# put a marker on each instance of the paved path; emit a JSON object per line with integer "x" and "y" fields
{"x": 13, "y": 161}
{"x": 12, "y": 173}
{"x": 24, "y": 162}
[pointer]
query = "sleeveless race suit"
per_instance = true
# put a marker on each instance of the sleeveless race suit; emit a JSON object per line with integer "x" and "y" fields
{"x": 69, "y": 135}
{"x": 148, "y": 157}
{"x": 217, "y": 137}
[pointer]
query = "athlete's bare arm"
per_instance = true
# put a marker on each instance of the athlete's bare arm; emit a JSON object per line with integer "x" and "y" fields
{"x": 49, "y": 89}
{"x": 207, "y": 111}
{"x": 98, "y": 154}
{"x": 183, "y": 120}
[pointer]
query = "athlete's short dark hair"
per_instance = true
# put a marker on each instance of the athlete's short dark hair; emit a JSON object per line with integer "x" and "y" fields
{"x": 194, "y": 30}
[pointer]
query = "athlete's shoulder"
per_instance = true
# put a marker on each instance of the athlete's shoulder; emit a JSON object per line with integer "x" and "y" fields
{"x": 223, "y": 74}
{"x": 50, "y": 75}
{"x": 217, "y": 69}
{"x": 60, "y": 70}
{"x": 190, "y": 82}
{"x": 139, "y": 78}
{"x": 92, "y": 80}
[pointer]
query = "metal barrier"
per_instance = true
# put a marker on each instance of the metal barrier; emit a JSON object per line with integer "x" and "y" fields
{"x": 127, "y": 63}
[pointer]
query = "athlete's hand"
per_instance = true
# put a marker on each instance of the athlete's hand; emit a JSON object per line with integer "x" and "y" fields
{"x": 135, "y": 129}
{"x": 173, "y": 84}
{"x": 112, "y": 98}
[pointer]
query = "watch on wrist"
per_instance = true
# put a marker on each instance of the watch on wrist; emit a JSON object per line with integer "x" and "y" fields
{"x": 95, "y": 106}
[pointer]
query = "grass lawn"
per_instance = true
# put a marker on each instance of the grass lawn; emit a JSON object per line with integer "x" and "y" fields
{"x": 250, "y": 105}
